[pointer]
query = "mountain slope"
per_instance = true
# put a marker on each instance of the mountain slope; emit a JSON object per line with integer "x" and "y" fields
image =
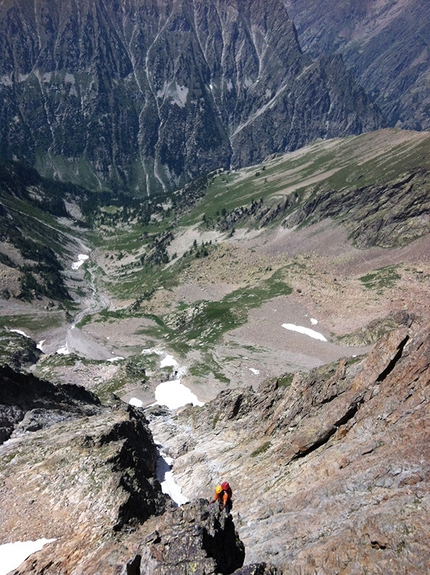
{"x": 38, "y": 233}
{"x": 146, "y": 95}
{"x": 384, "y": 43}
{"x": 335, "y": 233}
{"x": 330, "y": 469}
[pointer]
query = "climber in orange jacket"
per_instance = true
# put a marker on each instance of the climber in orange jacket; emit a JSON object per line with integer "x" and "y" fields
{"x": 224, "y": 494}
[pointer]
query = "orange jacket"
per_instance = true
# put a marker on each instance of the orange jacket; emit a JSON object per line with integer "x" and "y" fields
{"x": 223, "y": 498}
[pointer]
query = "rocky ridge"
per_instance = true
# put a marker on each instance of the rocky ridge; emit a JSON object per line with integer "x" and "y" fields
{"x": 147, "y": 95}
{"x": 388, "y": 215}
{"x": 195, "y": 538}
{"x": 83, "y": 476}
{"x": 72, "y": 470}
{"x": 28, "y": 403}
{"x": 329, "y": 470}
{"x": 383, "y": 43}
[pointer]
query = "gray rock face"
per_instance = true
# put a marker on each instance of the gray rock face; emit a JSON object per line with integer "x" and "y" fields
{"x": 330, "y": 472}
{"x": 386, "y": 215}
{"x": 329, "y": 469}
{"x": 258, "y": 569}
{"x": 145, "y": 95}
{"x": 28, "y": 404}
{"x": 382, "y": 42}
{"x": 196, "y": 538}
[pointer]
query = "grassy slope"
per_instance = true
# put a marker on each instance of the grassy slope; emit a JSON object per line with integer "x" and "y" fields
{"x": 338, "y": 165}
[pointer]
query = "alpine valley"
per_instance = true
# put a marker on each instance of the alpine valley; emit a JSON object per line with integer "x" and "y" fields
{"x": 214, "y": 266}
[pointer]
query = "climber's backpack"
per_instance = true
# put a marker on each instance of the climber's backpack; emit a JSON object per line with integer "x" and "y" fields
{"x": 226, "y": 487}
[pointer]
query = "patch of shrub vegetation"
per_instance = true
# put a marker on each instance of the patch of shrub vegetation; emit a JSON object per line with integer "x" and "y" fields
{"x": 286, "y": 380}
{"x": 262, "y": 449}
{"x": 200, "y": 369}
{"x": 381, "y": 278}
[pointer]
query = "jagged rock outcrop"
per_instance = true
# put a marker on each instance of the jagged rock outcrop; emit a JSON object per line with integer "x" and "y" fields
{"x": 258, "y": 569}
{"x": 19, "y": 351}
{"x": 382, "y": 42}
{"x": 29, "y": 403}
{"x": 93, "y": 491}
{"x": 146, "y": 95}
{"x": 195, "y": 538}
{"x": 329, "y": 469}
{"x": 73, "y": 471}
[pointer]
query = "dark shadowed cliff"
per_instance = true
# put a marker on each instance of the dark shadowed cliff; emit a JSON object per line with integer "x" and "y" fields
{"x": 145, "y": 95}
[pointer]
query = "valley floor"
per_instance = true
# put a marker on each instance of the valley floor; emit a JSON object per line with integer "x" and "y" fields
{"x": 327, "y": 276}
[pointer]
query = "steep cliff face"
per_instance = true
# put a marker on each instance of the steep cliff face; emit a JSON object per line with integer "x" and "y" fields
{"x": 383, "y": 42}
{"x": 147, "y": 94}
{"x": 386, "y": 215}
{"x": 329, "y": 469}
{"x": 28, "y": 403}
{"x": 89, "y": 470}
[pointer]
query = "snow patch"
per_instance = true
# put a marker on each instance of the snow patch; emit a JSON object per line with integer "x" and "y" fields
{"x": 135, "y": 402}
{"x": 164, "y": 474}
{"x": 254, "y": 371}
{"x": 174, "y": 394}
{"x": 304, "y": 330}
{"x": 168, "y": 361}
{"x": 63, "y": 350}
{"x": 40, "y": 344}
{"x": 314, "y": 321}
{"x": 20, "y": 332}
{"x": 82, "y": 258}
{"x": 116, "y": 358}
{"x": 13, "y": 554}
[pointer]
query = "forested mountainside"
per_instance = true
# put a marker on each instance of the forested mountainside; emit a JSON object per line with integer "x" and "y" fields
{"x": 34, "y": 245}
{"x": 144, "y": 95}
{"x": 385, "y": 44}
